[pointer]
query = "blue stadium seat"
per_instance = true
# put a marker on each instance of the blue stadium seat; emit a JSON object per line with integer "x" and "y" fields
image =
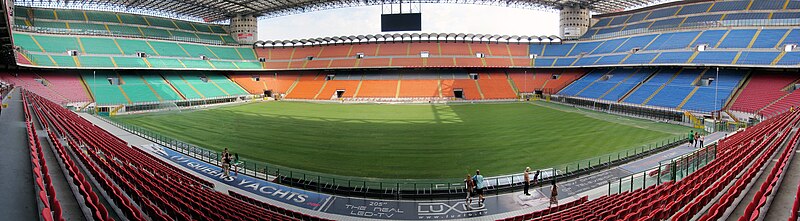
{"x": 673, "y": 58}
{"x": 767, "y": 5}
{"x": 738, "y": 38}
{"x": 581, "y": 83}
{"x": 719, "y": 90}
{"x": 609, "y": 46}
{"x": 694, "y": 9}
{"x": 673, "y": 40}
{"x": 757, "y": 58}
{"x": 715, "y": 57}
{"x": 584, "y": 47}
{"x": 664, "y": 12}
{"x": 650, "y": 86}
{"x": 588, "y": 60}
{"x": 636, "y": 42}
{"x": 544, "y": 62}
{"x": 769, "y": 38}
{"x": 710, "y": 37}
{"x": 729, "y": 6}
{"x": 619, "y": 20}
{"x": 611, "y": 59}
{"x": 564, "y": 62}
{"x": 558, "y": 49}
{"x": 640, "y": 58}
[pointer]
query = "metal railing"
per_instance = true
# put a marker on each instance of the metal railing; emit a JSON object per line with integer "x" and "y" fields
{"x": 698, "y": 25}
{"x": 668, "y": 170}
{"x": 396, "y": 188}
{"x": 93, "y": 32}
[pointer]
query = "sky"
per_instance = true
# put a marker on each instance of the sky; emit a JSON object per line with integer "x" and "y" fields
{"x": 436, "y": 18}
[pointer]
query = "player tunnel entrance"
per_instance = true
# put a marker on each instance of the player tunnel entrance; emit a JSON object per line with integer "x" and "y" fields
{"x": 458, "y": 93}
{"x": 339, "y": 94}
{"x": 267, "y": 93}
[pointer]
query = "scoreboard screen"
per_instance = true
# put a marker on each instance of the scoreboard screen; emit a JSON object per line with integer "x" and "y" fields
{"x": 401, "y": 22}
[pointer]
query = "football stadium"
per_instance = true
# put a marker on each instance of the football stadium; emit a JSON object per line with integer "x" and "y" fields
{"x": 179, "y": 110}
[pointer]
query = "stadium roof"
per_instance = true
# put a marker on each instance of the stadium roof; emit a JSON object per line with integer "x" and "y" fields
{"x": 217, "y": 10}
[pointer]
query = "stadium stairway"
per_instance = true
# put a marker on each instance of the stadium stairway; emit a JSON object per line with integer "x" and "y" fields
{"x": 19, "y": 204}
{"x": 784, "y": 202}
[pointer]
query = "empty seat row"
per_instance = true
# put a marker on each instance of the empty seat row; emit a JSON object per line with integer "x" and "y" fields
{"x": 144, "y": 185}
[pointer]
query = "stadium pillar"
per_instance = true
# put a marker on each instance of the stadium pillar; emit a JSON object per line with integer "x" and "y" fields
{"x": 244, "y": 28}
{"x": 574, "y": 22}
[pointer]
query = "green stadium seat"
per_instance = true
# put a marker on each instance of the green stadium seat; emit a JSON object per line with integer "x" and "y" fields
{"x": 165, "y": 63}
{"x": 218, "y": 29}
{"x": 130, "y": 62}
{"x": 91, "y": 61}
{"x": 20, "y": 21}
{"x": 42, "y": 60}
{"x": 159, "y": 22}
{"x": 225, "y": 52}
{"x": 64, "y": 61}
{"x": 229, "y": 40}
{"x": 184, "y": 36}
{"x": 203, "y": 28}
{"x": 223, "y": 65}
{"x": 155, "y": 32}
{"x": 208, "y": 89}
{"x": 102, "y": 16}
{"x": 72, "y": 15}
{"x": 248, "y": 65}
{"x": 21, "y": 11}
{"x": 87, "y": 27}
{"x": 182, "y": 86}
{"x": 199, "y": 64}
{"x": 132, "y": 19}
{"x": 125, "y": 30}
{"x": 247, "y": 53}
{"x": 130, "y": 46}
{"x": 226, "y": 84}
{"x": 168, "y": 49}
{"x": 104, "y": 93}
{"x": 44, "y": 13}
{"x": 161, "y": 87}
{"x": 26, "y": 42}
{"x": 49, "y": 24}
{"x": 137, "y": 90}
{"x": 184, "y": 26}
{"x": 196, "y": 50}
{"x": 210, "y": 38}
{"x": 99, "y": 45}
{"x": 57, "y": 44}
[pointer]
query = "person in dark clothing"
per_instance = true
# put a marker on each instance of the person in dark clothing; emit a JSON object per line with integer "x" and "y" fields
{"x": 527, "y": 180}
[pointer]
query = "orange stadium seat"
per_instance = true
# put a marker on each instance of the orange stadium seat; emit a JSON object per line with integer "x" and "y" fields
{"x": 407, "y": 62}
{"x": 567, "y": 77}
{"x": 276, "y": 65}
{"x": 518, "y": 50}
{"x": 498, "y": 62}
{"x": 440, "y": 62}
{"x": 279, "y": 83}
{"x": 498, "y": 49}
{"x": 247, "y": 82}
{"x": 470, "y": 88}
{"x": 346, "y": 63}
{"x": 455, "y": 49}
{"x": 378, "y": 88}
{"x": 307, "y": 87}
{"x": 297, "y": 64}
{"x": 367, "y": 49}
{"x": 469, "y": 62}
{"x": 301, "y": 53}
{"x": 416, "y": 48}
{"x": 521, "y": 62}
{"x": 335, "y": 51}
{"x": 318, "y": 64}
{"x": 419, "y": 88}
{"x": 329, "y": 91}
{"x": 276, "y": 53}
{"x": 497, "y": 87}
{"x": 393, "y": 49}
{"x": 375, "y": 62}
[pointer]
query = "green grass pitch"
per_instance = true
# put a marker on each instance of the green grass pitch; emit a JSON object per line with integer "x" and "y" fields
{"x": 408, "y": 141}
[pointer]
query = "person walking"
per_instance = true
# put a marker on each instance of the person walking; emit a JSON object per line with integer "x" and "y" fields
{"x": 527, "y": 180}
{"x": 470, "y": 187}
{"x": 696, "y": 138}
{"x": 536, "y": 177}
{"x": 554, "y": 194}
{"x": 691, "y": 138}
{"x": 479, "y": 186}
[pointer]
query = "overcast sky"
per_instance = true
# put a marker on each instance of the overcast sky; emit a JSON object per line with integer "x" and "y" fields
{"x": 436, "y": 18}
